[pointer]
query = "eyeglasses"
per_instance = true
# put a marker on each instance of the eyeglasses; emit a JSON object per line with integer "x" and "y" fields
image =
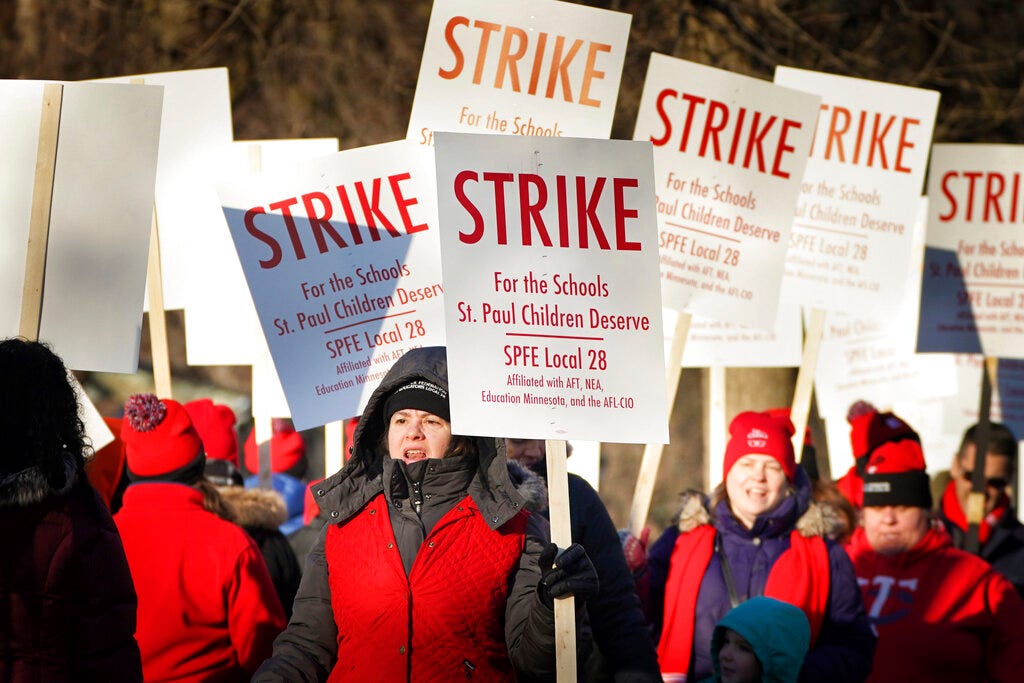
{"x": 993, "y": 483}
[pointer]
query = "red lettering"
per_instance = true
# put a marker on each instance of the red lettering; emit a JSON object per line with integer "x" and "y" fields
{"x": 590, "y": 73}
{"x": 756, "y": 141}
{"x": 508, "y": 58}
{"x": 659, "y": 105}
{"x": 948, "y": 195}
{"x": 622, "y": 213}
{"x": 499, "y": 180}
{"x": 487, "y": 28}
{"x": 529, "y": 212}
{"x": 586, "y": 212}
{"x": 782, "y": 147}
{"x": 904, "y": 144}
{"x": 250, "y": 227}
{"x": 449, "y": 38}
{"x": 835, "y": 132}
{"x": 460, "y": 195}
{"x": 992, "y": 196}
{"x": 560, "y": 68}
{"x": 320, "y": 222}
{"x": 877, "y": 140}
{"x": 371, "y": 208}
{"x": 285, "y": 207}
{"x": 712, "y": 129}
{"x": 404, "y": 204}
{"x": 972, "y": 178}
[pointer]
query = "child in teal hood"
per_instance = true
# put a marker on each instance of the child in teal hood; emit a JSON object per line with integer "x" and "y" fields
{"x": 762, "y": 640}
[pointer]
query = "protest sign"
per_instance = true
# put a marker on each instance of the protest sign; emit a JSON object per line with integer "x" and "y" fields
{"x": 98, "y": 219}
{"x": 714, "y": 343}
{"x": 195, "y": 138}
{"x": 552, "y": 296}
{"x": 873, "y": 359}
{"x": 729, "y": 153}
{"x": 525, "y": 67}
{"x": 341, "y": 258}
{"x": 221, "y": 327}
{"x": 851, "y": 240}
{"x": 973, "y": 283}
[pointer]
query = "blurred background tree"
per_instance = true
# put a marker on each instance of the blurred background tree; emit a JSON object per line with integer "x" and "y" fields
{"x": 347, "y": 69}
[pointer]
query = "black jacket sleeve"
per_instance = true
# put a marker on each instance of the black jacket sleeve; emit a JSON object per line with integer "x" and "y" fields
{"x": 306, "y": 650}
{"x": 617, "y": 621}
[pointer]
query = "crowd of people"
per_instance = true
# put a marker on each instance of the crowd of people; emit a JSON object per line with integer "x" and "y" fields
{"x": 427, "y": 556}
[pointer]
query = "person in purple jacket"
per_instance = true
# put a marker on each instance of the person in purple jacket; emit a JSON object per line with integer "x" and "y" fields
{"x": 762, "y": 536}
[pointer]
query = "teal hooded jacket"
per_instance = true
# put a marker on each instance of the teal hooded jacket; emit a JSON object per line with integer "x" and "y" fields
{"x": 778, "y": 632}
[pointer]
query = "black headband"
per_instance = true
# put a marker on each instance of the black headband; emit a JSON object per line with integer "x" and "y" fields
{"x": 418, "y": 395}
{"x": 904, "y": 488}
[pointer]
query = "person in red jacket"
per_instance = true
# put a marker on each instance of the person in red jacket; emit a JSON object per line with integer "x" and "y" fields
{"x": 940, "y": 614}
{"x": 869, "y": 429}
{"x": 429, "y": 568}
{"x": 207, "y": 608}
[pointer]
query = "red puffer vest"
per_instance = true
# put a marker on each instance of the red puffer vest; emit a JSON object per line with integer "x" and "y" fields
{"x": 443, "y": 622}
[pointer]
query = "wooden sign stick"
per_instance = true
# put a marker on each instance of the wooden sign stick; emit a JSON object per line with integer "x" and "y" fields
{"x": 644, "y": 490}
{"x": 561, "y": 535}
{"x": 801, "y": 408}
{"x": 159, "y": 348}
{"x": 39, "y": 218}
{"x": 976, "y": 499}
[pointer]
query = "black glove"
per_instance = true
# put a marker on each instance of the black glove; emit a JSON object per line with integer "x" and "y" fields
{"x": 566, "y": 572}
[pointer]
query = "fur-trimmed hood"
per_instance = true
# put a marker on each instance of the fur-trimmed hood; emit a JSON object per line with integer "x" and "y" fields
{"x": 346, "y": 492}
{"x": 820, "y": 518}
{"x": 530, "y": 486}
{"x": 29, "y": 486}
{"x": 260, "y": 508}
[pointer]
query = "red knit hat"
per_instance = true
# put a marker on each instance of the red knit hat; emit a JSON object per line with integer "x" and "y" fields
{"x": 287, "y": 451}
{"x": 869, "y": 428}
{"x": 763, "y": 434}
{"x": 216, "y": 426}
{"x": 895, "y": 475}
{"x": 160, "y": 441}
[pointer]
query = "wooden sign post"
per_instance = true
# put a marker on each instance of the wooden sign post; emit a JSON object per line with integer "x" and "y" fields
{"x": 644, "y": 490}
{"x": 801, "y": 408}
{"x": 39, "y": 226}
{"x": 561, "y": 535}
{"x": 159, "y": 347}
{"x": 976, "y": 499}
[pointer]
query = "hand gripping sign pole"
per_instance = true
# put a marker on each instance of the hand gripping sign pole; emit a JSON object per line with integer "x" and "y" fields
{"x": 157, "y": 319}
{"x": 561, "y": 535}
{"x": 39, "y": 222}
{"x": 801, "y": 407}
{"x": 976, "y": 499}
{"x": 652, "y": 452}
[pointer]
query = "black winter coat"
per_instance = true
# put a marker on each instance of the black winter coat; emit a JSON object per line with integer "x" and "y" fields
{"x": 67, "y": 602}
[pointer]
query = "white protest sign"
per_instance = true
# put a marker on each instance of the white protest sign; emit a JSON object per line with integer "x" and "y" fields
{"x": 194, "y": 144}
{"x": 100, "y": 217}
{"x": 729, "y": 153}
{"x": 973, "y": 291}
{"x": 341, "y": 257}
{"x": 553, "y": 306}
{"x": 851, "y": 240}
{"x": 221, "y": 327}
{"x": 873, "y": 359}
{"x": 717, "y": 344}
{"x": 520, "y": 67}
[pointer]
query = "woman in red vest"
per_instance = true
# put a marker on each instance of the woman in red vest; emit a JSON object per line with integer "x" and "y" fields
{"x": 429, "y": 568}
{"x": 763, "y": 536}
{"x": 941, "y": 614}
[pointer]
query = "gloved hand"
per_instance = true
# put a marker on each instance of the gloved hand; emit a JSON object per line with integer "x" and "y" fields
{"x": 635, "y": 550}
{"x": 566, "y": 572}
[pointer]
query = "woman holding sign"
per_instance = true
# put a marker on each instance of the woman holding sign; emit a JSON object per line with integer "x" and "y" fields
{"x": 429, "y": 567}
{"x": 763, "y": 536}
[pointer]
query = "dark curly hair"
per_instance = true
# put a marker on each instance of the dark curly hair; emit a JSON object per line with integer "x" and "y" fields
{"x": 38, "y": 411}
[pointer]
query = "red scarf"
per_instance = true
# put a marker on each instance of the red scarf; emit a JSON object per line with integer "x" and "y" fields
{"x": 955, "y": 514}
{"x": 800, "y": 576}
